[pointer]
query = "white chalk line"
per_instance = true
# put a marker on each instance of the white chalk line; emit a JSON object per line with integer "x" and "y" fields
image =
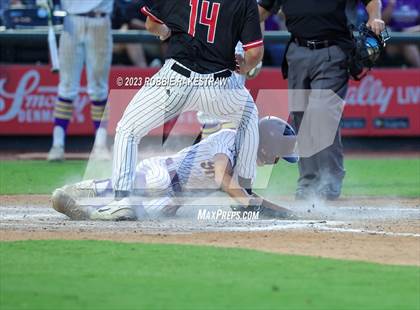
{"x": 321, "y": 226}
{"x": 369, "y": 232}
{"x": 37, "y": 214}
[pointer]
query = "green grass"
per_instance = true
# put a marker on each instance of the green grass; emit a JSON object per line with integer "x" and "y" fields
{"x": 109, "y": 275}
{"x": 394, "y": 177}
{"x": 365, "y": 177}
{"x": 37, "y": 177}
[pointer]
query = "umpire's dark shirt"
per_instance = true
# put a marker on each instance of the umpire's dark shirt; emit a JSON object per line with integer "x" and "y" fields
{"x": 314, "y": 19}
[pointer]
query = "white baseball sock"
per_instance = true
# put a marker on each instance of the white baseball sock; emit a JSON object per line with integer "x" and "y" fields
{"x": 58, "y": 136}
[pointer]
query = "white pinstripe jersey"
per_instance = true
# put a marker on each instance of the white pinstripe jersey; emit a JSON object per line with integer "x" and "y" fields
{"x": 195, "y": 165}
{"x": 85, "y": 6}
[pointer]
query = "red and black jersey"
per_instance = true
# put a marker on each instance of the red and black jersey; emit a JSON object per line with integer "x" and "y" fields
{"x": 205, "y": 32}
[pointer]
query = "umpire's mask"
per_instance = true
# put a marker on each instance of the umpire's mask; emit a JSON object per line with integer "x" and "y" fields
{"x": 368, "y": 48}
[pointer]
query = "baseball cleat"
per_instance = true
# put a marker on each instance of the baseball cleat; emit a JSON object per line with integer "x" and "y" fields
{"x": 84, "y": 189}
{"x": 330, "y": 192}
{"x": 56, "y": 153}
{"x": 64, "y": 203}
{"x": 118, "y": 210}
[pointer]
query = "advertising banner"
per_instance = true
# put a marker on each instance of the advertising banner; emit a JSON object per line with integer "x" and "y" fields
{"x": 385, "y": 103}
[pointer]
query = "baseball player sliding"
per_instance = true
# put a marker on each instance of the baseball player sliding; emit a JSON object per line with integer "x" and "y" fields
{"x": 202, "y": 36}
{"x": 86, "y": 39}
{"x": 162, "y": 183}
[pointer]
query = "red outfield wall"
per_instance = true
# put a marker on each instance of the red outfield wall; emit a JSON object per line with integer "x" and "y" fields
{"x": 385, "y": 103}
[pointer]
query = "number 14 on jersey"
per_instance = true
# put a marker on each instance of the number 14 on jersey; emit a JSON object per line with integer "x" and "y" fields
{"x": 208, "y": 17}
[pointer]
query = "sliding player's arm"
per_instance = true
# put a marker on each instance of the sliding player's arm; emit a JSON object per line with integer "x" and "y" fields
{"x": 223, "y": 177}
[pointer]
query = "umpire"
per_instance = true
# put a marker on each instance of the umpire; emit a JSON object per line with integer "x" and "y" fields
{"x": 316, "y": 58}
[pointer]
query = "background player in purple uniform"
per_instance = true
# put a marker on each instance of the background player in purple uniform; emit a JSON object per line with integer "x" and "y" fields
{"x": 86, "y": 40}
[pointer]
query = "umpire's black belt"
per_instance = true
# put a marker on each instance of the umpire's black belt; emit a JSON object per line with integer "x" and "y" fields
{"x": 93, "y": 14}
{"x": 187, "y": 73}
{"x": 314, "y": 44}
{"x": 175, "y": 183}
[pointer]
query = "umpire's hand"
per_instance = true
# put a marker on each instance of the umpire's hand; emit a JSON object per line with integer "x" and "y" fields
{"x": 377, "y": 25}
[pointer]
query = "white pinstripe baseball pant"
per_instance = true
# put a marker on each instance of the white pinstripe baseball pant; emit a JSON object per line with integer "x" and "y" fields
{"x": 85, "y": 40}
{"x": 153, "y": 105}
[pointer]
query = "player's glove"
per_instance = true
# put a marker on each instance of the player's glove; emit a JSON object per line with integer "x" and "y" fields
{"x": 266, "y": 209}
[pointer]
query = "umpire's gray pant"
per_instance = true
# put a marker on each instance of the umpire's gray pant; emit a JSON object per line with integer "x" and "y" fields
{"x": 318, "y": 69}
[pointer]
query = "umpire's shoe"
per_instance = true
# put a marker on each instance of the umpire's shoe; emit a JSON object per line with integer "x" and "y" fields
{"x": 330, "y": 191}
{"x": 65, "y": 203}
{"x": 118, "y": 210}
{"x": 305, "y": 193}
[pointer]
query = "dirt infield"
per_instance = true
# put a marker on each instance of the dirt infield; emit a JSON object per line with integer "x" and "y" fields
{"x": 377, "y": 230}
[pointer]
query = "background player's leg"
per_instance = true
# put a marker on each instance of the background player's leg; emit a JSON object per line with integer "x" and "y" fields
{"x": 71, "y": 55}
{"x": 98, "y": 49}
{"x": 150, "y": 108}
{"x": 98, "y": 112}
